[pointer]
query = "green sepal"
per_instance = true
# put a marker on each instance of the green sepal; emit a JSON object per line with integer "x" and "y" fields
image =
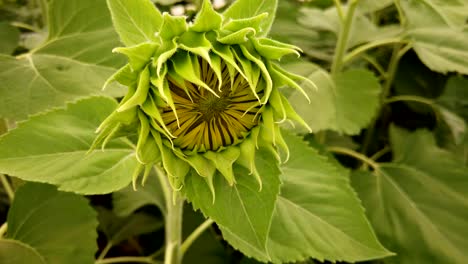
{"x": 238, "y": 37}
{"x": 291, "y": 76}
{"x": 292, "y": 113}
{"x": 188, "y": 66}
{"x": 141, "y": 92}
{"x": 172, "y": 26}
{"x": 273, "y": 50}
{"x": 203, "y": 166}
{"x": 252, "y": 72}
{"x": 139, "y": 168}
{"x": 207, "y": 19}
{"x": 149, "y": 107}
{"x": 226, "y": 54}
{"x": 268, "y": 121}
{"x": 158, "y": 81}
{"x": 277, "y": 105}
{"x": 216, "y": 67}
{"x": 175, "y": 167}
{"x": 196, "y": 43}
{"x": 224, "y": 160}
{"x": 235, "y": 25}
{"x": 266, "y": 75}
{"x": 124, "y": 76}
{"x": 247, "y": 158}
{"x": 138, "y": 55}
{"x": 282, "y": 78}
{"x": 147, "y": 152}
{"x": 179, "y": 81}
{"x": 165, "y": 51}
{"x": 281, "y": 143}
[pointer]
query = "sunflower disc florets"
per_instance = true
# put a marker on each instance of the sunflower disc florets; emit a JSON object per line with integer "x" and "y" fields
{"x": 203, "y": 96}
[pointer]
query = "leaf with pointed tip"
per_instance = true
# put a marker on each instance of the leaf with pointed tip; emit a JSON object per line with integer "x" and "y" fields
{"x": 333, "y": 105}
{"x": 51, "y": 148}
{"x": 74, "y": 62}
{"x": 60, "y": 226}
{"x": 251, "y": 8}
{"x": 136, "y": 21}
{"x": 318, "y": 215}
{"x": 418, "y": 203}
{"x": 241, "y": 211}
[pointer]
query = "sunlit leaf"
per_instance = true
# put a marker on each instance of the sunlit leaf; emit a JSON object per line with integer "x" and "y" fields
{"x": 51, "y": 148}
{"x": 74, "y": 62}
{"x": 418, "y": 203}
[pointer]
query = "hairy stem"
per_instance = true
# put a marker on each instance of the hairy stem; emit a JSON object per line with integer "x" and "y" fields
{"x": 173, "y": 220}
{"x": 343, "y": 38}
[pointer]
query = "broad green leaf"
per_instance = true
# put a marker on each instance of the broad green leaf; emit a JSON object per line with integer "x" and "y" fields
{"x": 74, "y": 62}
{"x": 369, "y": 6}
{"x": 241, "y": 9}
{"x": 16, "y": 252}
{"x": 127, "y": 200}
{"x": 318, "y": 214}
{"x": 136, "y": 21}
{"x": 207, "y": 247}
{"x": 242, "y": 211}
{"x": 435, "y": 13}
{"x": 118, "y": 229}
{"x": 455, "y": 96}
{"x": 51, "y": 148}
{"x": 418, "y": 204}
{"x": 9, "y": 36}
{"x": 441, "y": 49}
{"x": 345, "y": 103}
{"x": 60, "y": 226}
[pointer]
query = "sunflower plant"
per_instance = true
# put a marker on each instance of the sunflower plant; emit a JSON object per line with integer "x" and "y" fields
{"x": 243, "y": 131}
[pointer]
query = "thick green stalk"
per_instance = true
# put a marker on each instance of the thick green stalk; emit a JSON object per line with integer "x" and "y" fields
{"x": 343, "y": 38}
{"x": 173, "y": 254}
{"x": 173, "y": 220}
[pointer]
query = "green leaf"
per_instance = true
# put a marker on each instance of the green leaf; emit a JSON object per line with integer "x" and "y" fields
{"x": 74, "y": 62}
{"x": 455, "y": 96}
{"x": 60, "y": 226}
{"x": 249, "y": 8}
{"x": 242, "y": 212}
{"x": 51, "y": 148}
{"x": 9, "y": 36}
{"x": 15, "y": 252}
{"x": 127, "y": 200}
{"x": 435, "y": 13}
{"x": 318, "y": 214}
{"x": 441, "y": 49}
{"x": 346, "y": 103}
{"x": 418, "y": 203}
{"x": 369, "y": 6}
{"x": 118, "y": 229}
{"x": 136, "y": 21}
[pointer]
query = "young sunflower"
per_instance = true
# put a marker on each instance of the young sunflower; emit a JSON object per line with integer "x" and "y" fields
{"x": 203, "y": 96}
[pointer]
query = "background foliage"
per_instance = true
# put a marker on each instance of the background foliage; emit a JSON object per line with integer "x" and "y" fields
{"x": 382, "y": 178}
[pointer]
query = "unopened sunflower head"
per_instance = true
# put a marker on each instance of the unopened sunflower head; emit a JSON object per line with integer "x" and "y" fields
{"x": 203, "y": 96}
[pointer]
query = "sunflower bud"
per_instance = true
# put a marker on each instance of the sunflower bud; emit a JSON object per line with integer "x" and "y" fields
{"x": 203, "y": 97}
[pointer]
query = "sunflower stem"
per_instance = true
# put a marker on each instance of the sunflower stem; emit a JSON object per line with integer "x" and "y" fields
{"x": 173, "y": 220}
{"x": 343, "y": 38}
